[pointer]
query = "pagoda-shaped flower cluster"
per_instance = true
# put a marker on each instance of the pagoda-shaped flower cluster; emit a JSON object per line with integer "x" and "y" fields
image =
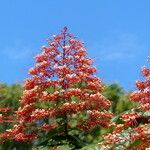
{"x": 63, "y": 93}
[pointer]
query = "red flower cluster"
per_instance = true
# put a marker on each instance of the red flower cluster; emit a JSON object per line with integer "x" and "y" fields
{"x": 63, "y": 84}
{"x": 127, "y": 138}
{"x": 96, "y": 118}
{"x": 143, "y": 95}
{"x": 5, "y": 118}
{"x": 134, "y": 133}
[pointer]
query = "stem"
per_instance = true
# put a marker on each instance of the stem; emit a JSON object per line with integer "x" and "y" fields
{"x": 65, "y": 115}
{"x": 66, "y": 125}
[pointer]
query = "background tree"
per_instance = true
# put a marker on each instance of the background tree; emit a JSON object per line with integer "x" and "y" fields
{"x": 62, "y": 100}
{"x": 118, "y": 97}
{"x": 10, "y": 95}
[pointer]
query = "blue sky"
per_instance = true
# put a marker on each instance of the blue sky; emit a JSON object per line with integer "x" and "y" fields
{"x": 116, "y": 34}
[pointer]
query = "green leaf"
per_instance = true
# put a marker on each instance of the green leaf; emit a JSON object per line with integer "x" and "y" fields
{"x": 91, "y": 147}
{"x": 135, "y": 143}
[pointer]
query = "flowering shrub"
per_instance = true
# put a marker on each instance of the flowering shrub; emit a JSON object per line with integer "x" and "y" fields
{"x": 63, "y": 96}
{"x": 133, "y": 130}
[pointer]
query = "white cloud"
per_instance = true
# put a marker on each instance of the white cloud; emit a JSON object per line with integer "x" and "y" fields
{"x": 17, "y": 51}
{"x": 119, "y": 47}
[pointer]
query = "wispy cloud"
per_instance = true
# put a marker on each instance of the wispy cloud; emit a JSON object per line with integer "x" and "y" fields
{"x": 119, "y": 47}
{"x": 16, "y": 51}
